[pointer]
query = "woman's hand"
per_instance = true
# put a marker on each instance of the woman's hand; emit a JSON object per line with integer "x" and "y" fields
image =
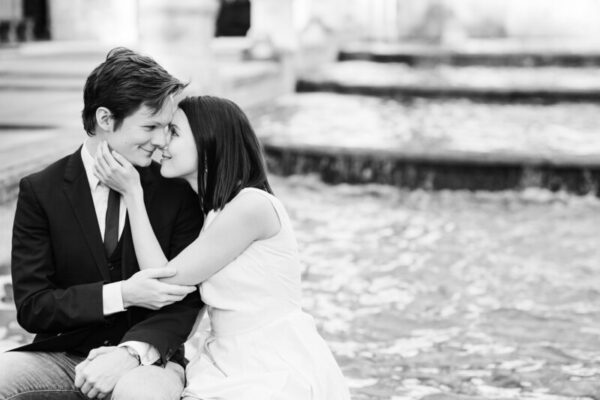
{"x": 116, "y": 172}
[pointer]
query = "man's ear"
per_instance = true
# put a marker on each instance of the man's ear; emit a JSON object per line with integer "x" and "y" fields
{"x": 104, "y": 119}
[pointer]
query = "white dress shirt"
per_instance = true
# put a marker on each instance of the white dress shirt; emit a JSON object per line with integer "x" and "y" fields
{"x": 112, "y": 298}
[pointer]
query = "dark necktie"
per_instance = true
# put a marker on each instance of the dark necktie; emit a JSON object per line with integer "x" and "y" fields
{"x": 111, "y": 228}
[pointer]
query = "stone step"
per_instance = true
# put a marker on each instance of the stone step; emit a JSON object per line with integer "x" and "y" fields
{"x": 22, "y": 83}
{"x": 494, "y": 53}
{"x": 46, "y": 71}
{"x": 434, "y": 144}
{"x": 539, "y": 85}
{"x": 342, "y": 165}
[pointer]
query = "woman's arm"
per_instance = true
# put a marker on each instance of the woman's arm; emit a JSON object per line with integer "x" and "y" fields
{"x": 148, "y": 252}
{"x": 245, "y": 219}
{"x": 120, "y": 175}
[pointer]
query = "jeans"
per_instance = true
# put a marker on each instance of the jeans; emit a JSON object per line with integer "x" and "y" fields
{"x": 50, "y": 376}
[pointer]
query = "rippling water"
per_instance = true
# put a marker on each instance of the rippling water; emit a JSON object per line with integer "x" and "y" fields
{"x": 484, "y": 294}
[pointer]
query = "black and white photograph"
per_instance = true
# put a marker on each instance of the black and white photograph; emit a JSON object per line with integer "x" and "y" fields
{"x": 300, "y": 199}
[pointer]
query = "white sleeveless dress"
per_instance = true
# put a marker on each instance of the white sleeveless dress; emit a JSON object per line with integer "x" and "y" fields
{"x": 262, "y": 345}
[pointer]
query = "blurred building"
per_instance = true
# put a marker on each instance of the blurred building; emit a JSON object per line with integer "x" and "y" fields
{"x": 455, "y": 20}
{"x": 132, "y": 21}
{"x": 178, "y": 33}
{"x": 186, "y": 36}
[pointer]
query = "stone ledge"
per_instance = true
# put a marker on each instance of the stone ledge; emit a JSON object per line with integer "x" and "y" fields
{"x": 493, "y": 53}
{"x": 490, "y": 94}
{"x": 538, "y": 85}
{"x": 433, "y": 172}
{"x": 465, "y": 59}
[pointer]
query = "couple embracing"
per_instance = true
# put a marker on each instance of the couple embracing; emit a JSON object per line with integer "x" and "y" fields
{"x": 114, "y": 259}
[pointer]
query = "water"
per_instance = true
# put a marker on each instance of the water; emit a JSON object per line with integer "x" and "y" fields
{"x": 483, "y": 294}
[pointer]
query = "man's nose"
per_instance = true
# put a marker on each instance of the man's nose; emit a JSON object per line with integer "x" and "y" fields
{"x": 160, "y": 138}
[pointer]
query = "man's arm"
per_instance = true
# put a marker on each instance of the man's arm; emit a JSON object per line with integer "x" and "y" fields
{"x": 42, "y": 307}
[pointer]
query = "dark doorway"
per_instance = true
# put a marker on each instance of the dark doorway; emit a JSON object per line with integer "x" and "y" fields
{"x": 37, "y": 12}
{"x": 233, "y": 18}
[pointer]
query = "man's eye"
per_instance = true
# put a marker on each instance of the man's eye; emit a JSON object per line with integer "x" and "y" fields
{"x": 150, "y": 127}
{"x": 173, "y": 131}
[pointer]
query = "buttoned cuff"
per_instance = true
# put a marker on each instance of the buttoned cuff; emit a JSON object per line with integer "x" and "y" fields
{"x": 148, "y": 354}
{"x": 112, "y": 299}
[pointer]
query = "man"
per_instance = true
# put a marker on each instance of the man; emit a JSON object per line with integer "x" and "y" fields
{"x": 102, "y": 324}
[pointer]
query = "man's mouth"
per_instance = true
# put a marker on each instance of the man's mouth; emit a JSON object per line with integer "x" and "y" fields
{"x": 147, "y": 151}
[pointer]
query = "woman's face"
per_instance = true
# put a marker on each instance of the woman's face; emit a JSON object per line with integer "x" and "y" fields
{"x": 180, "y": 159}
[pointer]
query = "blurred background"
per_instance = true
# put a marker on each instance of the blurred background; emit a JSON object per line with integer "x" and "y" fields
{"x": 440, "y": 160}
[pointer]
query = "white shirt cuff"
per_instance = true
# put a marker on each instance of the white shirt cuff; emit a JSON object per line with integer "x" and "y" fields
{"x": 112, "y": 299}
{"x": 148, "y": 354}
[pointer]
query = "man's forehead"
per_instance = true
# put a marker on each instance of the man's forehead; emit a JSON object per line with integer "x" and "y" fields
{"x": 164, "y": 114}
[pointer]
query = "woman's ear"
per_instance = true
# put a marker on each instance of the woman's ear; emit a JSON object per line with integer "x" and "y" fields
{"x": 104, "y": 119}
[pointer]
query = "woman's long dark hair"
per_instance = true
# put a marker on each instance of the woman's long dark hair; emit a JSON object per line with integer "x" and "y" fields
{"x": 229, "y": 154}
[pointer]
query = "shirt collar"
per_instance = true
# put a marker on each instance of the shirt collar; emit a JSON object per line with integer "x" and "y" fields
{"x": 88, "y": 165}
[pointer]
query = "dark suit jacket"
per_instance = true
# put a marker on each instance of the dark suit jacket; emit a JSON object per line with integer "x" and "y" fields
{"x": 59, "y": 265}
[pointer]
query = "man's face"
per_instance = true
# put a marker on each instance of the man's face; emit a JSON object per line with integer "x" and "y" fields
{"x": 141, "y": 133}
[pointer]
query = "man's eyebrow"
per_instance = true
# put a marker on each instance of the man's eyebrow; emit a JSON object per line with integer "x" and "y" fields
{"x": 154, "y": 122}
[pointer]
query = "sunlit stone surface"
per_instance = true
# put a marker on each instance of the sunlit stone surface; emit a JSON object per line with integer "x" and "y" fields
{"x": 374, "y": 74}
{"x": 490, "y": 295}
{"x": 566, "y": 131}
{"x": 370, "y": 77}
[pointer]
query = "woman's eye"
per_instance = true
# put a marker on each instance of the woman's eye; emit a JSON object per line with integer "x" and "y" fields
{"x": 149, "y": 128}
{"x": 173, "y": 132}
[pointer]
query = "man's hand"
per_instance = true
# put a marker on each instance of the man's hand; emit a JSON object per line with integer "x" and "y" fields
{"x": 98, "y": 375}
{"x": 143, "y": 289}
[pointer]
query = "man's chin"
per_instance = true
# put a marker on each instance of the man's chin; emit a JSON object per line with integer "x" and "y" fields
{"x": 141, "y": 161}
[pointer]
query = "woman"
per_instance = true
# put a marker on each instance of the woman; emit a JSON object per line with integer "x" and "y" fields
{"x": 262, "y": 345}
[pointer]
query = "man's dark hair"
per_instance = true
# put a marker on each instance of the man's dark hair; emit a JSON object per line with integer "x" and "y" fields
{"x": 123, "y": 83}
{"x": 230, "y": 156}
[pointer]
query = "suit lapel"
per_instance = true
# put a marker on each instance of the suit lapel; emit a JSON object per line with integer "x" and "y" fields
{"x": 77, "y": 190}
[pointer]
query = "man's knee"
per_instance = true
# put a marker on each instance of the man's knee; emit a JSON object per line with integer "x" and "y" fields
{"x": 150, "y": 383}
{"x": 18, "y": 373}
{"x": 25, "y": 372}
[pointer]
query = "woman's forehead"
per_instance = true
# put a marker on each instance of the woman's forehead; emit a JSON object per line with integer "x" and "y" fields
{"x": 179, "y": 115}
